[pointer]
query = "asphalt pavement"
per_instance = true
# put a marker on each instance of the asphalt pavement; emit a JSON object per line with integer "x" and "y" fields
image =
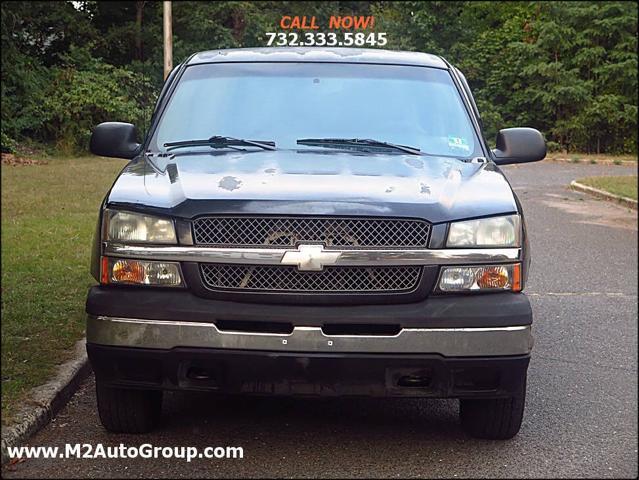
{"x": 581, "y": 412}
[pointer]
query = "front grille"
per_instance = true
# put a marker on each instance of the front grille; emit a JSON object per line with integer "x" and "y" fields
{"x": 332, "y": 232}
{"x": 262, "y": 278}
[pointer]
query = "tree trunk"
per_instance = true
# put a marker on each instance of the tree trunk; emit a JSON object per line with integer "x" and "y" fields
{"x": 239, "y": 25}
{"x": 139, "y": 7}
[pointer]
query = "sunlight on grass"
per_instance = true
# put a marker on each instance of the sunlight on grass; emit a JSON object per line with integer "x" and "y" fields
{"x": 625, "y": 186}
{"x": 48, "y": 218}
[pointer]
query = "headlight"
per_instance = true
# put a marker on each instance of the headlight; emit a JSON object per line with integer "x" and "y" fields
{"x": 485, "y": 232}
{"x": 140, "y": 272}
{"x": 135, "y": 227}
{"x": 490, "y": 277}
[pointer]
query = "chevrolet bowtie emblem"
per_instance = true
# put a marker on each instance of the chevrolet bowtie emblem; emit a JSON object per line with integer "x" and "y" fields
{"x": 310, "y": 257}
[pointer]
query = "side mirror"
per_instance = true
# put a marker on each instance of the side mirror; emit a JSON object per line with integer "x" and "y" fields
{"x": 115, "y": 139}
{"x": 519, "y": 145}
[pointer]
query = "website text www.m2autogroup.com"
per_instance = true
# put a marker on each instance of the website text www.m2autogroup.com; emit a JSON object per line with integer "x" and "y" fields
{"x": 121, "y": 451}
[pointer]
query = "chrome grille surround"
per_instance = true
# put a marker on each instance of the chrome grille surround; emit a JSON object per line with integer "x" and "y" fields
{"x": 349, "y": 257}
{"x": 335, "y": 232}
{"x": 330, "y": 280}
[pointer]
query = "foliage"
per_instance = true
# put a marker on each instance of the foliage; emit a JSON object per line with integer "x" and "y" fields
{"x": 79, "y": 97}
{"x": 566, "y": 68}
{"x": 8, "y": 144}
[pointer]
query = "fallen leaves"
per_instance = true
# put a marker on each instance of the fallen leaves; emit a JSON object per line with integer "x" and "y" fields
{"x": 13, "y": 160}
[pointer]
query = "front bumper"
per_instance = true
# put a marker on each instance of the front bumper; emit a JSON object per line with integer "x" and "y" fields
{"x": 437, "y": 311}
{"x": 449, "y": 342}
{"x": 446, "y": 346}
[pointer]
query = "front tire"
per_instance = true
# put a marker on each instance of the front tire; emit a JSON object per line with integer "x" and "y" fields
{"x": 494, "y": 419}
{"x": 124, "y": 410}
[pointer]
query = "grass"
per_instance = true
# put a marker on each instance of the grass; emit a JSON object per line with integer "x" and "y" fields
{"x": 592, "y": 158}
{"x": 48, "y": 218}
{"x": 625, "y": 186}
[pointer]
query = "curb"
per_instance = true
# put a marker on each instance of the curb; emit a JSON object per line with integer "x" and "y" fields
{"x": 47, "y": 400}
{"x": 625, "y": 201}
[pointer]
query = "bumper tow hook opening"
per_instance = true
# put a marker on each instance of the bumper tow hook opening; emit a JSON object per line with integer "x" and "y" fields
{"x": 413, "y": 381}
{"x": 199, "y": 374}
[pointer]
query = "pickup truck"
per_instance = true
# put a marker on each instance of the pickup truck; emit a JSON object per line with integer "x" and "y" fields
{"x": 312, "y": 221}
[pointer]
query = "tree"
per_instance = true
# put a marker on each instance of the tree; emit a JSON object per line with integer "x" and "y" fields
{"x": 566, "y": 68}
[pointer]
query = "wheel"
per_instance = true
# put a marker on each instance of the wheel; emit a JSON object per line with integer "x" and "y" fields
{"x": 496, "y": 419}
{"x": 128, "y": 411}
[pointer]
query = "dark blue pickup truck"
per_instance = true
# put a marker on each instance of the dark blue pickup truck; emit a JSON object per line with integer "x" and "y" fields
{"x": 309, "y": 221}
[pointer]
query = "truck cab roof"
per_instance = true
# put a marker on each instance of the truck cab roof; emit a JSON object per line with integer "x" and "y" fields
{"x": 319, "y": 54}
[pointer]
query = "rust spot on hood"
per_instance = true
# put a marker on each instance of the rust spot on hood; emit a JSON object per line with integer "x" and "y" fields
{"x": 230, "y": 183}
{"x": 415, "y": 162}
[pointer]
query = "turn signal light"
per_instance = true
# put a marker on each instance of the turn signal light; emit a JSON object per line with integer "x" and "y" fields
{"x": 492, "y": 277}
{"x": 140, "y": 272}
{"x": 483, "y": 278}
{"x": 128, "y": 271}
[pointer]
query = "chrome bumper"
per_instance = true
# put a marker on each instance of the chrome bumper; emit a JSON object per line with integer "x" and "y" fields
{"x": 450, "y": 342}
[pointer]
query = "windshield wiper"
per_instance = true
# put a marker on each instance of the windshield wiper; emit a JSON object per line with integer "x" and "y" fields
{"x": 356, "y": 143}
{"x": 217, "y": 141}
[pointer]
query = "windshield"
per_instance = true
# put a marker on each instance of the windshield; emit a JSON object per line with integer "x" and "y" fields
{"x": 284, "y": 102}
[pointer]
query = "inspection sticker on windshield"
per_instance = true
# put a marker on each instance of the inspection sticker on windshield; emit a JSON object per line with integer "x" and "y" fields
{"x": 458, "y": 143}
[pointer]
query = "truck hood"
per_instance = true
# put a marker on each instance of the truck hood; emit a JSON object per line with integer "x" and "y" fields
{"x": 438, "y": 189}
